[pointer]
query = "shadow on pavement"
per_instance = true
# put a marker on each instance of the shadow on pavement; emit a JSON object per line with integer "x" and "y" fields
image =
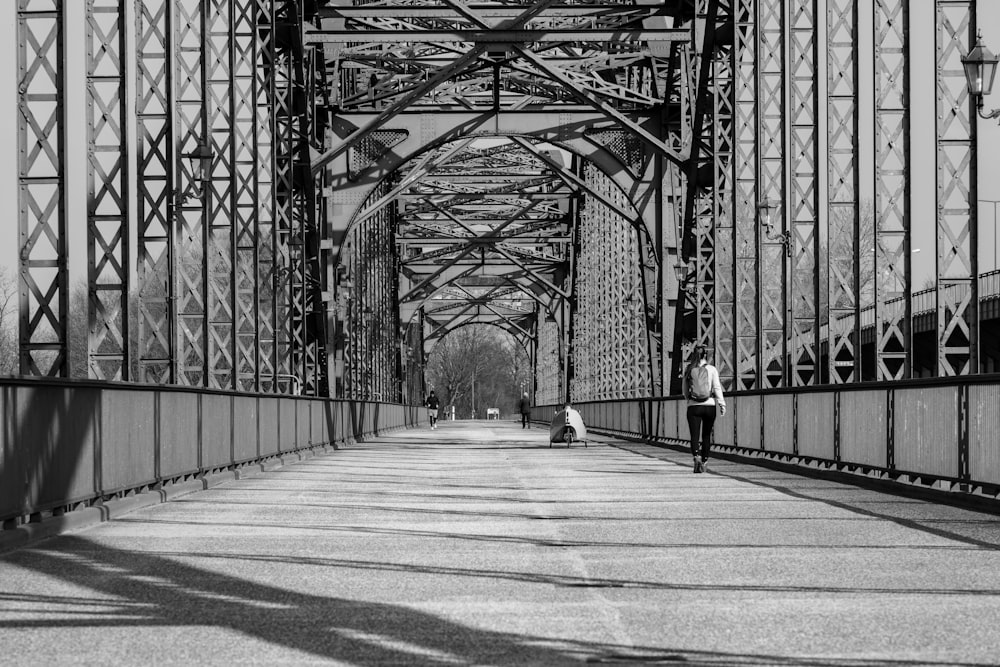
{"x": 150, "y": 590}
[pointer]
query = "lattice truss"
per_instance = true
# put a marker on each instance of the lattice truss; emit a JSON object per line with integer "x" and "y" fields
{"x": 388, "y": 50}
{"x": 548, "y": 365}
{"x": 370, "y": 270}
{"x": 610, "y": 344}
{"x": 483, "y": 234}
{"x": 227, "y": 277}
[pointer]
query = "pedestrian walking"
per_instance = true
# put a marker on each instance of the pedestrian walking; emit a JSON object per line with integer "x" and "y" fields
{"x": 703, "y": 391}
{"x": 432, "y": 404}
{"x": 524, "y": 406}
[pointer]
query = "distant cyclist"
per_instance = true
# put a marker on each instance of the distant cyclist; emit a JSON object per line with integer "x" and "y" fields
{"x": 703, "y": 391}
{"x": 432, "y": 404}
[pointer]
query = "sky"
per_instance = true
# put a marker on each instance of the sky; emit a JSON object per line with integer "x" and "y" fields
{"x": 923, "y": 149}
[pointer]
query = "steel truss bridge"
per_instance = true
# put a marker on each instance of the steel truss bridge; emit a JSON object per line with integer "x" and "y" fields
{"x": 304, "y": 196}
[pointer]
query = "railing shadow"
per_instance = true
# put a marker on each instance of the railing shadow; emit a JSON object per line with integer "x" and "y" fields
{"x": 141, "y": 589}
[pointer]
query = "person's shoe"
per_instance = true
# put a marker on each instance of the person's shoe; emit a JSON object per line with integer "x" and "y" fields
{"x": 697, "y": 465}
{"x": 704, "y": 466}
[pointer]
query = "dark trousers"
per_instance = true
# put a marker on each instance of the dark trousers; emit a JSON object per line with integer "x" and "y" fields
{"x": 524, "y": 419}
{"x": 701, "y": 419}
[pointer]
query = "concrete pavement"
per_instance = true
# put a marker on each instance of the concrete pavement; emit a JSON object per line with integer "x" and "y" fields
{"x": 477, "y": 544}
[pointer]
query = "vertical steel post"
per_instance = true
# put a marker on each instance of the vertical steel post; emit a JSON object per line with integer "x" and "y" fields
{"x": 247, "y": 209}
{"x": 222, "y": 224}
{"x": 41, "y": 133}
{"x": 190, "y": 242}
{"x": 842, "y": 232}
{"x": 745, "y": 205}
{"x": 724, "y": 230}
{"x": 264, "y": 166}
{"x": 893, "y": 277}
{"x": 957, "y": 268}
{"x": 157, "y": 200}
{"x": 108, "y": 193}
{"x": 771, "y": 182}
{"x": 803, "y": 301}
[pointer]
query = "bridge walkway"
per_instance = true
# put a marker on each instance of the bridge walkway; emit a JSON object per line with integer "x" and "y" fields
{"x": 476, "y": 543}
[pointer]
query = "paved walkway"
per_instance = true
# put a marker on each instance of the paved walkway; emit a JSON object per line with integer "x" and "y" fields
{"x": 478, "y": 544}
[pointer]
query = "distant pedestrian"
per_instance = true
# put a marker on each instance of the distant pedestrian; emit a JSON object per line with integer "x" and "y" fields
{"x": 703, "y": 391}
{"x": 432, "y": 404}
{"x": 524, "y": 406}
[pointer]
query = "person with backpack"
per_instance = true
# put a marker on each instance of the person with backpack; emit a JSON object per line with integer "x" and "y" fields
{"x": 703, "y": 391}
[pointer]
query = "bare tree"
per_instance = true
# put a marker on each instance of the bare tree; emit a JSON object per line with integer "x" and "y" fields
{"x": 8, "y": 323}
{"x": 475, "y": 368}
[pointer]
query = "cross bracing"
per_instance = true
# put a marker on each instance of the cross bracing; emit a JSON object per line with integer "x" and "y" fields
{"x": 381, "y": 173}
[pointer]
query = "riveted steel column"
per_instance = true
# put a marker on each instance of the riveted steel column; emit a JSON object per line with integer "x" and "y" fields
{"x": 108, "y": 195}
{"x": 892, "y": 189}
{"x": 957, "y": 268}
{"x": 771, "y": 175}
{"x": 803, "y": 206}
{"x": 842, "y": 230}
{"x": 41, "y": 133}
{"x": 267, "y": 238}
{"x": 222, "y": 225}
{"x": 745, "y": 175}
{"x": 191, "y": 129}
{"x": 284, "y": 138}
{"x": 155, "y": 183}
{"x": 247, "y": 208}
{"x": 725, "y": 299}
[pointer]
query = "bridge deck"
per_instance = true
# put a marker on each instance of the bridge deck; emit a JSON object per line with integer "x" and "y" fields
{"x": 478, "y": 544}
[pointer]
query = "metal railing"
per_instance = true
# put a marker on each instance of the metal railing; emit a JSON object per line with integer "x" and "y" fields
{"x": 939, "y": 432}
{"x": 66, "y": 444}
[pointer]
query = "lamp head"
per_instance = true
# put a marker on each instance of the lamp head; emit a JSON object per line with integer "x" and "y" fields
{"x": 980, "y": 70}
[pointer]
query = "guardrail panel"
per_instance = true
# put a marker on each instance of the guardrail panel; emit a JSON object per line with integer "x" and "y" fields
{"x": 287, "y": 430}
{"x": 725, "y": 426}
{"x": 748, "y": 422}
{"x": 268, "y": 434}
{"x": 318, "y": 414}
{"x": 245, "y": 428}
{"x": 127, "y": 437}
{"x": 303, "y": 424}
{"x": 984, "y": 427}
{"x": 926, "y": 430}
{"x": 216, "y": 430}
{"x": 10, "y": 481}
{"x": 179, "y": 433}
{"x": 53, "y": 434}
{"x": 815, "y": 424}
{"x": 779, "y": 423}
{"x": 863, "y": 424}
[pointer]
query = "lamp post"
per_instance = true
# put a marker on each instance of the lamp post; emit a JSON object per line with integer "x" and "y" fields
{"x": 980, "y": 70}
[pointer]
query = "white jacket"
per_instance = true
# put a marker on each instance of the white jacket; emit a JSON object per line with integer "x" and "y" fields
{"x": 716, "y": 398}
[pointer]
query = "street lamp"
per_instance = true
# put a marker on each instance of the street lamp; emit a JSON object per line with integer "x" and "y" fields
{"x": 980, "y": 69}
{"x": 785, "y": 238}
{"x": 683, "y": 277}
{"x": 201, "y": 170}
